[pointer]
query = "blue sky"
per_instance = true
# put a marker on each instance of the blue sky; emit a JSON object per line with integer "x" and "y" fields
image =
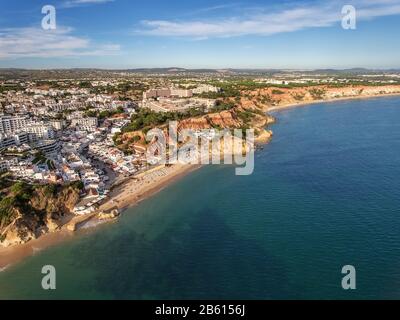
{"x": 200, "y": 34}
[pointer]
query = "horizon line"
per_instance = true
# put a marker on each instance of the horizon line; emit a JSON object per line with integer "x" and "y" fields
{"x": 205, "y": 68}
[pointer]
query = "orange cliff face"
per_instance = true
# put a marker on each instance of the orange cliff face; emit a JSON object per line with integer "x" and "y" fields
{"x": 228, "y": 119}
{"x": 41, "y": 214}
{"x": 223, "y": 120}
{"x": 268, "y": 98}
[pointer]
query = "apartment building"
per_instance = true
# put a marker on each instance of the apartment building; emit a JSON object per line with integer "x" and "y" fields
{"x": 6, "y": 163}
{"x": 205, "y": 89}
{"x": 57, "y": 124}
{"x": 156, "y": 93}
{"x": 40, "y": 131}
{"x": 181, "y": 93}
{"x": 48, "y": 146}
{"x": 88, "y": 124}
{"x": 10, "y": 140}
{"x": 11, "y": 124}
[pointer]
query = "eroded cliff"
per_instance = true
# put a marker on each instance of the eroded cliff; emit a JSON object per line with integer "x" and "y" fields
{"x": 27, "y": 211}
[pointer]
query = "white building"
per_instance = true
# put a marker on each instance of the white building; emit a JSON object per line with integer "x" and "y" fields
{"x": 10, "y": 140}
{"x": 40, "y": 131}
{"x": 5, "y": 164}
{"x": 48, "y": 146}
{"x": 205, "y": 88}
{"x": 181, "y": 93}
{"x": 88, "y": 124}
{"x": 57, "y": 124}
{"x": 11, "y": 124}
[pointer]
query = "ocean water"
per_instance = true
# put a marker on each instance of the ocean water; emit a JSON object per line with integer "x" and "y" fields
{"x": 325, "y": 193}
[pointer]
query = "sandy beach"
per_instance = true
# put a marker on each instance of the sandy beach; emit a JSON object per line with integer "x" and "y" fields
{"x": 144, "y": 186}
{"x": 124, "y": 196}
{"x": 303, "y": 104}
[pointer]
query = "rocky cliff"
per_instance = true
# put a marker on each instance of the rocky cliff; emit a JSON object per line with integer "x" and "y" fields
{"x": 27, "y": 211}
{"x": 275, "y": 97}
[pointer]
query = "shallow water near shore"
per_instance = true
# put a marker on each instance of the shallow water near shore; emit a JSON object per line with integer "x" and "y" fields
{"x": 325, "y": 193}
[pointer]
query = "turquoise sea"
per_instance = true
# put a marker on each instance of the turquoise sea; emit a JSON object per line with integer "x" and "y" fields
{"x": 325, "y": 193}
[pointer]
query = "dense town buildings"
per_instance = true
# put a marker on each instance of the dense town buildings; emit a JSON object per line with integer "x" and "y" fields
{"x": 63, "y": 133}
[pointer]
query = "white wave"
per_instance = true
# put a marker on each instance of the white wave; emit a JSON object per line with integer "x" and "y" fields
{"x": 36, "y": 250}
{"x": 91, "y": 224}
{"x": 4, "y": 268}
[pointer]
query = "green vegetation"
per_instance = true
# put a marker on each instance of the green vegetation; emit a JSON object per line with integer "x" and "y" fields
{"x": 78, "y": 185}
{"x": 147, "y": 119}
{"x": 15, "y": 198}
{"x": 101, "y": 115}
{"x": 317, "y": 94}
{"x": 246, "y": 116}
{"x": 131, "y": 86}
{"x": 123, "y": 88}
{"x": 229, "y": 89}
{"x": 298, "y": 96}
{"x": 50, "y": 164}
{"x": 294, "y": 85}
{"x": 54, "y": 84}
{"x": 360, "y": 83}
{"x": 223, "y": 106}
{"x": 10, "y": 87}
{"x": 267, "y": 99}
{"x": 259, "y": 112}
{"x": 40, "y": 158}
{"x": 14, "y": 195}
{"x": 85, "y": 84}
{"x": 136, "y": 139}
{"x": 117, "y": 137}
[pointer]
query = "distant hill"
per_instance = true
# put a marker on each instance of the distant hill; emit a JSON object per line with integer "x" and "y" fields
{"x": 90, "y": 73}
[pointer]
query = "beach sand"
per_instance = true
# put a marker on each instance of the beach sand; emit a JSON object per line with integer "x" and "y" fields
{"x": 306, "y": 103}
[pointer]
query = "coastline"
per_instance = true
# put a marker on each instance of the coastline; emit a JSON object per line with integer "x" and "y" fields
{"x": 128, "y": 195}
{"x": 306, "y": 103}
{"x": 145, "y": 187}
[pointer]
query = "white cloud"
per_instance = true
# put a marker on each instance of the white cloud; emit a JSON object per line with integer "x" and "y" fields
{"x": 77, "y": 3}
{"x": 213, "y": 8}
{"x": 36, "y": 42}
{"x": 323, "y": 14}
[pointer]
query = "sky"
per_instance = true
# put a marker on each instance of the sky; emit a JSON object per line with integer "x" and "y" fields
{"x": 276, "y": 34}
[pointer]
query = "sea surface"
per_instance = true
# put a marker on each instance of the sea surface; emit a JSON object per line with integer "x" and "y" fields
{"x": 325, "y": 193}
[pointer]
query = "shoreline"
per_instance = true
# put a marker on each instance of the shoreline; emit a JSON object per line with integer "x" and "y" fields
{"x": 306, "y": 103}
{"x": 9, "y": 256}
{"x": 125, "y": 197}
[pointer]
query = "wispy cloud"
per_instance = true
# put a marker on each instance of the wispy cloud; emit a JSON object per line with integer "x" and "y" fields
{"x": 36, "y": 42}
{"x": 215, "y": 8}
{"x": 77, "y": 3}
{"x": 321, "y": 14}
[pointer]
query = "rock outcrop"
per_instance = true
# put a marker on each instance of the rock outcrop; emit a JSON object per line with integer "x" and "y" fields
{"x": 108, "y": 215}
{"x": 34, "y": 210}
